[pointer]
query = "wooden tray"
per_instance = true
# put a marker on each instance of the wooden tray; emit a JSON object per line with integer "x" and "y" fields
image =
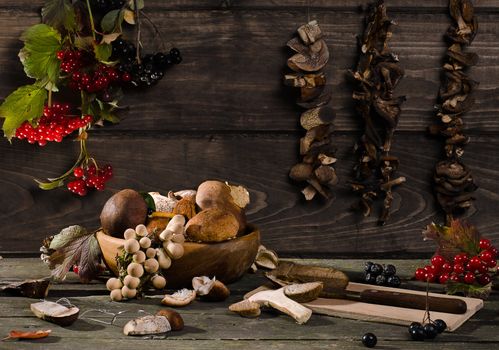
{"x": 387, "y": 314}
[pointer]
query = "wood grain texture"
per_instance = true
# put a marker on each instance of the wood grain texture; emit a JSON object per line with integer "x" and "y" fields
{"x": 261, "y": 162}
{"x": 231, "y": 76}
{"x": 211, "y": 325}
{"x": 224, "y": 113}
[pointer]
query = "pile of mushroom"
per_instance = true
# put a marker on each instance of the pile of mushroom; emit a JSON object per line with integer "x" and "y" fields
{"x": 454, "y": 184}
{"x": 377, "y": 74}
{"x": 316, "y": 149}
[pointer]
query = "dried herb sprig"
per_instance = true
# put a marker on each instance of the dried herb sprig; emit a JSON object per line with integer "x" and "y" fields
{"x": 453, "y": 181}
{"x": 316, "y": 148}
{"x": 377, "y": 74}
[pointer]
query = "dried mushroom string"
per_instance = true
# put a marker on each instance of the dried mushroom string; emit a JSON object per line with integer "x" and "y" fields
{"x": 377, "y": 74}
{"x": 316, "y": 148}
{"x": 453, "y": 182}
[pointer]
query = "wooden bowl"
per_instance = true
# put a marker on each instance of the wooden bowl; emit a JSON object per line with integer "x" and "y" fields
{"x": 228, "y": 260}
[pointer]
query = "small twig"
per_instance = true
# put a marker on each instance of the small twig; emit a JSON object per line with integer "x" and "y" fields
{"x": 49, "y": 102}
{"x": 157, "y": 32}
{"x": 92, "y": 25}
{"x": 137, "y": 31}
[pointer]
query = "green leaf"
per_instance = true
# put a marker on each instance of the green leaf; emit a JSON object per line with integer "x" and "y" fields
{"x": 39, "y": 54}
{"x": 59, "y": 14}
{"x": 149, "y": 200}
{"x": 140, "y": 4}
{"x": 24, "y": 104}
{"x": 84, "y": 42}
{"x": 50, "y": 185}
{"x": 103, "y": 52}
{"x": 112, "y": 21}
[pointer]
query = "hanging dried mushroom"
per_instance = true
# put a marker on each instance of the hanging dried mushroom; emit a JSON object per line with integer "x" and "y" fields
{"x": 377, "y": 74}
{"x": 316, "y": 149}
{"x": 453, "y": 182}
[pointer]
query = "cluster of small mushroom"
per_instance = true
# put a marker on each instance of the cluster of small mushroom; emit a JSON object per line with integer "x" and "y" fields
{"x": 315, "y": 169}
{"x": 145, "y": 261}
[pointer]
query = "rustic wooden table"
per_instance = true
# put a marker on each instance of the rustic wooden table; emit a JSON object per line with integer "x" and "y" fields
{"x": 212, "y": 326}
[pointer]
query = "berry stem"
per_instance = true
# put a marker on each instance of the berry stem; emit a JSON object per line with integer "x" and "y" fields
{"x": 157, "y": 32}
{"x": 137, "y": 31}
{"x": 81, "y": 158}
{"x": 49, "y": 102}
{"x": 92, "y": 25}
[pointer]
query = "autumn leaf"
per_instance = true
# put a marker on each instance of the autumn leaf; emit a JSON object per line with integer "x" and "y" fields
{"x": 14, "y": 334}
{"x": 75, "y": 246}
{"x": 459, "y": 237}
{"x": 469, "y": 290}
{"x": 59, "y": 14}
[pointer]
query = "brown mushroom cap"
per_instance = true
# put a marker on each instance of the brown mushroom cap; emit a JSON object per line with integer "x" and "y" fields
{"x": 182, "y": 297}
{"x": 246, "y": 308}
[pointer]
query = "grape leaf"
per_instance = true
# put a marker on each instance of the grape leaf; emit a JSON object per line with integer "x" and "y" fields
{"x": 103, "y": 52}
{"x": 75, "y": 246}
{"x": 111, "y": 22}
{"x": 459, "y": 237}
{"x": 59, "y": 14}
{"x": 26, "y": 103}
{"x": 39, "y": 54}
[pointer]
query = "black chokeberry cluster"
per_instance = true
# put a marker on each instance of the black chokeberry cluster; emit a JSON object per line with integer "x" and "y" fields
{"x": 151, "y": 68}
{"x": 104, "y": 6}
{"x": 430, "y": 330}
{"x": 381, "y": 275}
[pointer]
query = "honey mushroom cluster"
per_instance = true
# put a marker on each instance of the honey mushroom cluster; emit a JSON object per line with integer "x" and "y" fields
{"x": 377, "y": 75}
{"x": 316, "y": 148}
{"x": 453, "y": 182}
{"x": 141, "y": 263}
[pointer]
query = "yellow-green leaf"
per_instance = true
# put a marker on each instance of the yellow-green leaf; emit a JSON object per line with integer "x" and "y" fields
{"x": 39, "y": 54}
{"x": 103, "y": 52}
{"x": 24, "y": 104}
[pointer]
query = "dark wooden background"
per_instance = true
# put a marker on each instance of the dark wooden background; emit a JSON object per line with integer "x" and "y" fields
{"x": 223, "y": 113}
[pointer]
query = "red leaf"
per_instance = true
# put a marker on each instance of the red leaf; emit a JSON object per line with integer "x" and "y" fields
{"x": 28, "y": 335}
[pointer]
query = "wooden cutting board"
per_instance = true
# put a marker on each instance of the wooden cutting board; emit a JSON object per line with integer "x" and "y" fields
{"x": 387, "y": 314}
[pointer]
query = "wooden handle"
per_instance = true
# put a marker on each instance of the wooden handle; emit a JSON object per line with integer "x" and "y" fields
{"x": 413, "y": 301}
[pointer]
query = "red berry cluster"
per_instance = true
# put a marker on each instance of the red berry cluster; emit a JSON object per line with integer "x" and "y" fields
{"x": 73, "y": 62}
{"x": 90, "y": 177}
{"x": 462, "y": 268}
{"x": 54, "y": 125}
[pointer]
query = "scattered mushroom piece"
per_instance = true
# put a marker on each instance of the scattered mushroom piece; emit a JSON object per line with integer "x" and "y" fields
{"x": 266, "y": 258}
{"x": 164, "y": 203}
{"x": 55, "y": 313}
{"x": 176, "y": 321}
{"x": 304, "y": 292}
{"x": 147, "y": 325}
{"x": 246, "y": 308}
{"x": 279, "y": 301}
{"x": 210, "y": 289}
{"x": 182, "y": 297}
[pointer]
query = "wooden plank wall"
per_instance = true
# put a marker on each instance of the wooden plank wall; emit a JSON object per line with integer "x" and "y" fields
{"x": 224, "y": 114}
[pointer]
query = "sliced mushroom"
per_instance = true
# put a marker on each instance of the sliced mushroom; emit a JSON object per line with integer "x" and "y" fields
{"x": 304, "y": 292}
{"x": 147, "y": 325}
{"x": 182, "y": 297}
{"x": 246, "y": 308}
{"x": 266, "y": 258}
{"x": 309, "y": 33}
{"x": 317, "y": 116}
{"x": 55, "y": 313}
{"x": 210, "y": 289}
{"x": 312, "y": 61}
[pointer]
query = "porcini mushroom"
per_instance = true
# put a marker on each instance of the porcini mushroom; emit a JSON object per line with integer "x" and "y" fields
{"x": 304, "y": 292}
{"x": 182, "y": 297}
{"x": 210, "y": 289}
{"x": 246, "y": 308}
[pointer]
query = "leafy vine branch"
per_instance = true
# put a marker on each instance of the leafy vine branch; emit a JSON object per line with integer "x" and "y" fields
{"x": 80, "y": 49}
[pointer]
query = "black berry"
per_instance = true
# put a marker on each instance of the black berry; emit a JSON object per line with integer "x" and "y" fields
{"x": 370, "y": 278}
{"x": 416, "y": 331}
{"x": 440, "y": 325}
{"x": 376, "y": 269}
{"x": 369, "y": 340}
{"x": 430, "y": 331}
{"x": 389, "y": 270}
{"x": 380, "y": 280}
{"x": 367, "y": 266}
{"x": 393, "y": 281}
